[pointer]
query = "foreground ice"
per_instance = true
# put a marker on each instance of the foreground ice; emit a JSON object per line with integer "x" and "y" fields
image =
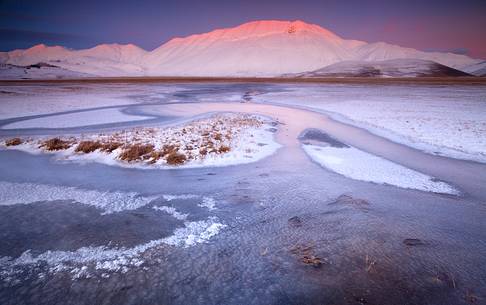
{"x": 359, "y": 165}
{"x": 86, "y": 261}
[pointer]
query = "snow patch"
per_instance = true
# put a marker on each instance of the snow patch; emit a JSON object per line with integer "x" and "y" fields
{"x": 110, "y": 202}
{"x": 359, "y": 165}
{"x": 179, "y": 197}
{"x": 195, "y": 232}
{"x": 220, "y": 140}
{"x": 171, "y": 211}
{"x": 208, "y": 203}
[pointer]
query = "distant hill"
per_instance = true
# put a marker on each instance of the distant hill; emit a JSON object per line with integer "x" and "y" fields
{"x": 478, "y": 69}
{"x": 387, "y": 68}
{"x": 38, "y": 71}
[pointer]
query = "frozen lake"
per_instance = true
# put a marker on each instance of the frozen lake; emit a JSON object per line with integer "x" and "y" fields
{"x": 375, "y": 195}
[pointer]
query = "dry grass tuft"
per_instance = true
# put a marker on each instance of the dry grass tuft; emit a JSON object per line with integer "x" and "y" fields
{"x": 176, "y": 158}
{"x": 307, "y": 256}
{"x": 88, "y": 146}
{"x": 136, "y": 152}
{"x": 224, "y": 149}
{"x": 369, "y": 263}
{"x": 169, "y": 149}
{"x": 110, "y": 146}
{"x": 13, "y": 142}
{"x": 218, "y": 137}
{"x": 155, "y": 156}
{"x": 56, "y": 144}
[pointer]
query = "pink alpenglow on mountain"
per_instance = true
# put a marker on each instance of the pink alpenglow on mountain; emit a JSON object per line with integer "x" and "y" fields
{"x": 259, "y": 48}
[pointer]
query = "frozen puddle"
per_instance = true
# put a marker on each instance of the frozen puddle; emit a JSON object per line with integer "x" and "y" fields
{"x": 359, "y": 165}
{"x": 109, "y": 202}
{"x": 102, "y": 260}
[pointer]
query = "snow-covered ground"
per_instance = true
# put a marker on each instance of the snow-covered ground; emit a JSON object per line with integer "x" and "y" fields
{"x": 35, "y": 100}
{"x": 359, "y": 165}
{"x": 29, "y": 100}
{"x": 220, "y": 140}
{"x": 449, "y": 121}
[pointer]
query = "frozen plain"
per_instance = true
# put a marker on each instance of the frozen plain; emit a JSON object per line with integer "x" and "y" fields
{"x": 93, "y": 233}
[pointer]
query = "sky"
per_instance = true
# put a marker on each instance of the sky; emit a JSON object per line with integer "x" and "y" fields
{"x": 429, "y": 25}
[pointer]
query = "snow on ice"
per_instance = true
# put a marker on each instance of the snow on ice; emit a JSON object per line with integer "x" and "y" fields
{"x": 359, "y": 165}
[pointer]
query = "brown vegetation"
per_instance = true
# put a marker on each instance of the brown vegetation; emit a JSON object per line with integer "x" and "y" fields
{"x": 13, "y": 142}
{"x": 110, "y": 146}
{"x": 224, "y": 149}
{"x": 136, "y": 152}
{"x": 176, "y": 158}
{"x": 155, "y": 156}
{"x": 56, "y": 144}
{"x": 169, "y": 149}
{"x": 88, "y": 146}
{"x": 218, "y": 137}
{"x": 306, "y": 255}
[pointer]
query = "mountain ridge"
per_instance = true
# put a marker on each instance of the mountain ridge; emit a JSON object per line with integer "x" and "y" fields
{"x": 256, "y": 48}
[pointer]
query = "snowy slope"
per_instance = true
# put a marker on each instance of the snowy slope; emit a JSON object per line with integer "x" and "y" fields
{"x": 102, "y": 60}
{"x": 259, "y": 48}
{"x": 269, "y": 48}
{"x": 38, "y": 71}
{"x": 387, "y": 68}
{"x": 477, "y": 69}
{"x": 255, "y": 48}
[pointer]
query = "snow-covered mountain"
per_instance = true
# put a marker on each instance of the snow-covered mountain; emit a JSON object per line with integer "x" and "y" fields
{"x": 259, "y": 48}
{"x": 386, "y": 68}
{"x": 38, "y": 71}
{"x": 478, "y": 69}
{"x": 102, "y": 60}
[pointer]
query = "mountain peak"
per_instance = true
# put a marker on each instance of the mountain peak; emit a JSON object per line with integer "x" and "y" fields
{"x": 267, "y": 27}
{"x": 261, "y": 28}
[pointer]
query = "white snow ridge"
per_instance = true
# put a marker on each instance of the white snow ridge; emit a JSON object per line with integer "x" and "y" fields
{"x": 359, "y": 165}
{"x": 110, "y": 202}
